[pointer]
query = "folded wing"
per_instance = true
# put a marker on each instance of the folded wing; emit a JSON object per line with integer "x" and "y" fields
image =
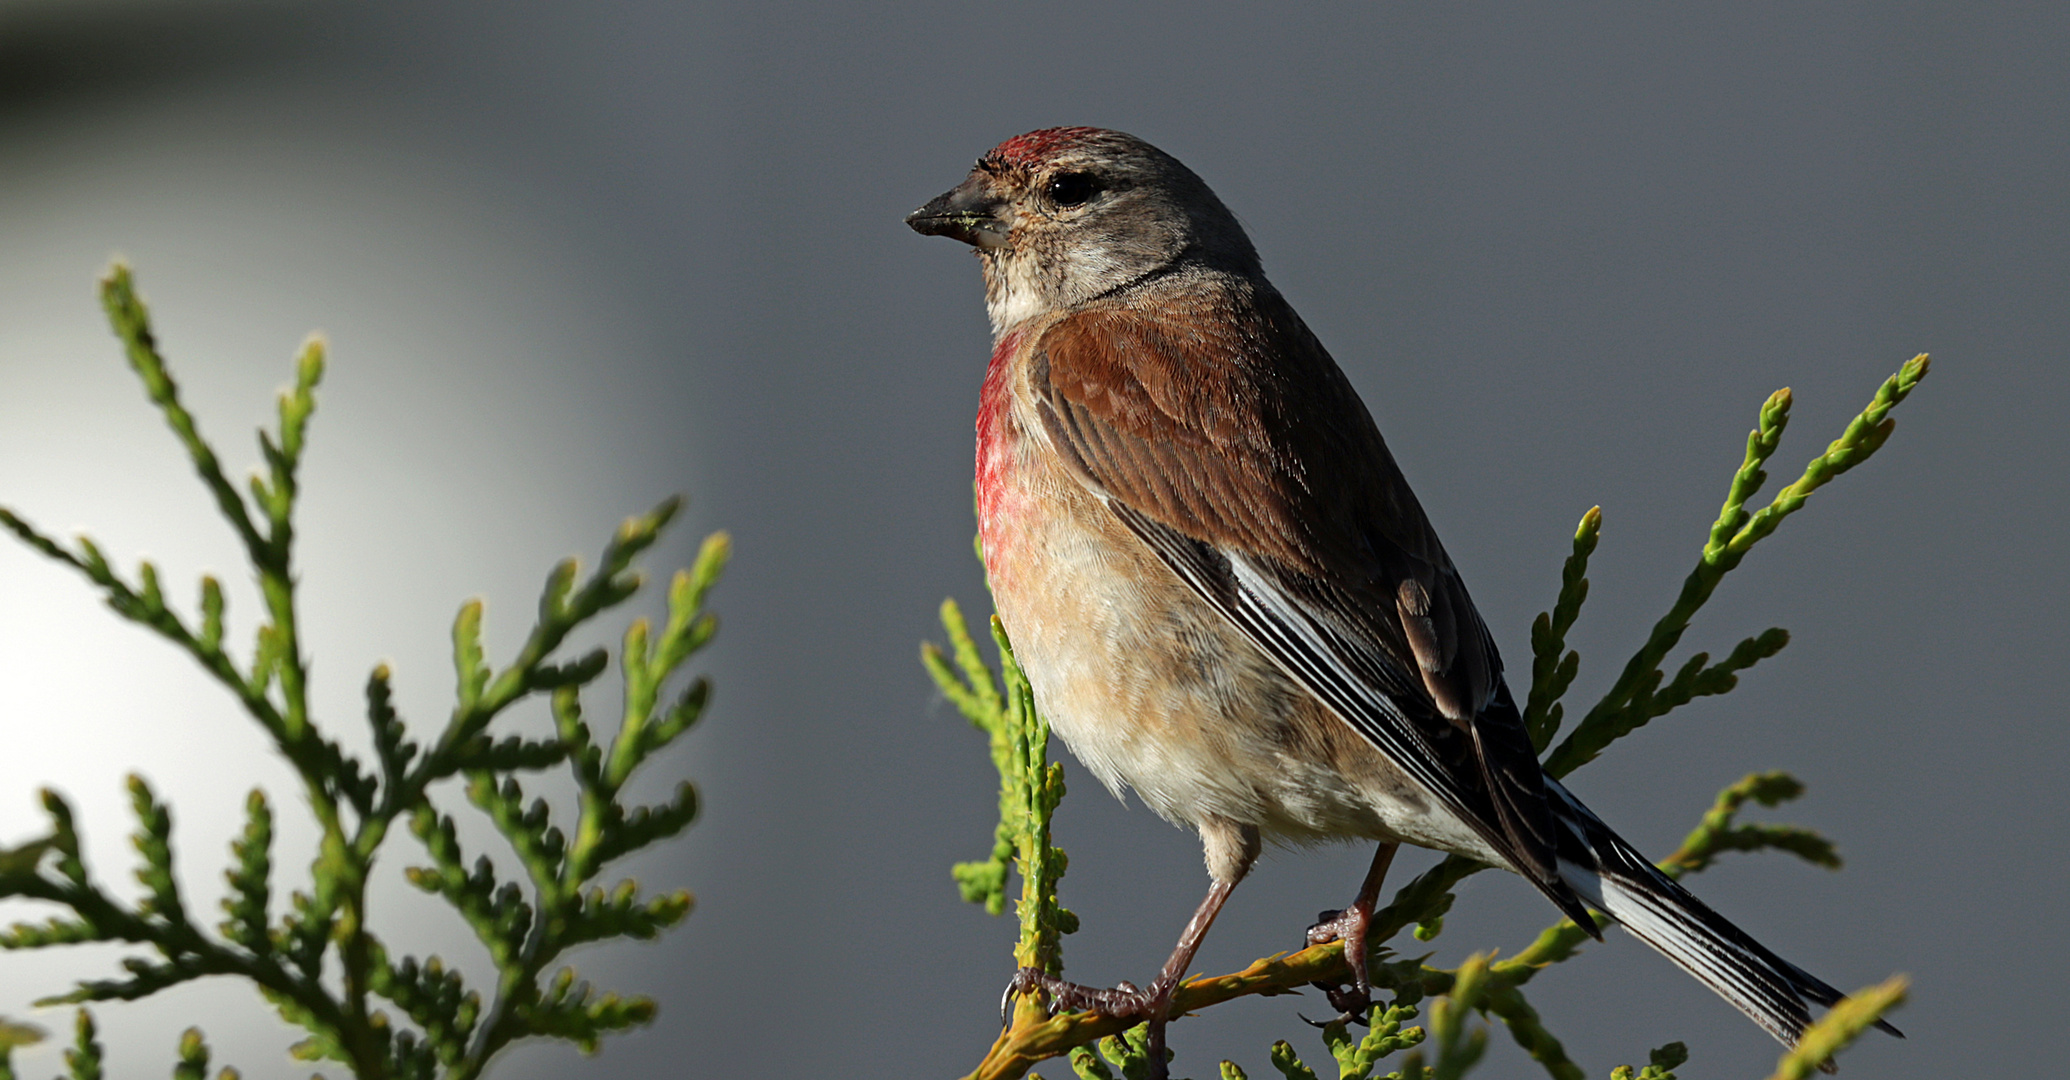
{"x": 1246, "y": 461}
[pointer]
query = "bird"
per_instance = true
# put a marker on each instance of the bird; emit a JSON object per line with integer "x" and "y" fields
{"x": 1222, "y": 591}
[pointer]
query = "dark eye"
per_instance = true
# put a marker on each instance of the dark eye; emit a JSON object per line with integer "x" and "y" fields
{"x": 1072, "y": 188}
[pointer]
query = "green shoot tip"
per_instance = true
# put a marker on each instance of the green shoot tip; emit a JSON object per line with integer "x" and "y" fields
{"x": 1776, "y": 409}
{"x": 13, "y": 1034}
{"x": 309, "y": 363}
{"x": 1589, "y": 529}
{"x": 663, "y": 513}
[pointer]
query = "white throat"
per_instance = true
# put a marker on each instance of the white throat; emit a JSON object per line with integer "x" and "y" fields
{"x": 1012, "y": 295}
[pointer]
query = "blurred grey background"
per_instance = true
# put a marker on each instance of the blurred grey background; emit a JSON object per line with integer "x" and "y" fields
{"x": 573, "y": 258}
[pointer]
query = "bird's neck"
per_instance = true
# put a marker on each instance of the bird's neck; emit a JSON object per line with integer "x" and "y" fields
{"x": 1014, "y": 292}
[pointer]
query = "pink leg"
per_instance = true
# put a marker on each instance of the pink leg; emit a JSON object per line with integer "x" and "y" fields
{"x": 1230, "y": 848}
{"x": 1349, "y": 926}
{"x": 1124, "y": 1000}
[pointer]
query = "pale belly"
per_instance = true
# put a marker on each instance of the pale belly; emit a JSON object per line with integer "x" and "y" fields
{"x": 1154, "y": 691}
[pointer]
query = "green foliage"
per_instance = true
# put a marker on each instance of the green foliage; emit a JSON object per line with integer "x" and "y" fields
{"x": 318, "y": 962}
{"x": 1453, "y": 1043}
{"x": 1128, "y": 1052}
{"x": 1637, "y": 696}
{"x": 1719, "y": 832}
{"x": 84, "y": 1058}
{"x": 1356, "y": 1058}
{"x": 1030, "y": 787}
{"x": 1458, "y": 1046}
{"x": 1660, "y": 1064}
{"x": 194, "y": 1059}
{"x": 1551, "y": 672}
{"x": 1839, "y": 1027}
{"x": 14, "y": 1035}
{"x": 976, "y": 696}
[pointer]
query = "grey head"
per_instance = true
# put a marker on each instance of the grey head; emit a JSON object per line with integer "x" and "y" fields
{"x": 1064, "y": 215}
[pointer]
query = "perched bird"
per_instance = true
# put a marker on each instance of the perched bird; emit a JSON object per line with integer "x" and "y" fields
{"x": 1222, "y": 590}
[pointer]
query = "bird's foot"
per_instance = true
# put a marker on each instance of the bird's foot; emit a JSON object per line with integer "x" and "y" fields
{"x": 1333, "y": 926}
{"x": 1122, "y": 1001}
{"x": 1352, "y": 1006}
{"x": 1349, "y": 926}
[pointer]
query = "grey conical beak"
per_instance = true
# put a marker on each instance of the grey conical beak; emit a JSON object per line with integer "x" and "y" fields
{"x": 969, "y": 212}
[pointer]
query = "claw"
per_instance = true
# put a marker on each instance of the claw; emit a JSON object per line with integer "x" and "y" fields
{"x": 1024, "y": 980}
{"x": 1346, "y": 1019}
{"x": 1351, "y": 1001}
{"x": 1013, "y": 989}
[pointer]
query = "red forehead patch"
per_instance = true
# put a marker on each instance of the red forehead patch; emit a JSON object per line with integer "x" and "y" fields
{"x": 1038, "y": 146}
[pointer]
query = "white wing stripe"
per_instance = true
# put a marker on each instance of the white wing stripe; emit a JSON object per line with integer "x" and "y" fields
{"x": 1266, "y": 612}
{"x": 1769, "y": 990}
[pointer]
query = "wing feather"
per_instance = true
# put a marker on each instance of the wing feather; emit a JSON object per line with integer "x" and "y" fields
{"x": 1224, "y": 436}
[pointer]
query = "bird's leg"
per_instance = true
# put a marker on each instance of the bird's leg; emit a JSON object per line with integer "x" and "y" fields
{"x": 1349, "y": 926}
{"x": 1124, "y": 1001}
{"x": 1230, "y": 848}
{"x": 1160, "y": 1003}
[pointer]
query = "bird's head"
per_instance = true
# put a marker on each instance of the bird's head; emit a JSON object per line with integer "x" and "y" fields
{"x": 1063, "y": 215}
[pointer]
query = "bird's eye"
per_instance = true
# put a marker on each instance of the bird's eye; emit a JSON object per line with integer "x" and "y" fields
{"x": 1072, "y": 188}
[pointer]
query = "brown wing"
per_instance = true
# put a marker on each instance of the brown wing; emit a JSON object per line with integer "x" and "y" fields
{"x": 1222, "y": 433}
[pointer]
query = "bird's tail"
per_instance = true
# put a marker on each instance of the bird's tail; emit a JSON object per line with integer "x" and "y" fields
{"x": 1616, "y": 879}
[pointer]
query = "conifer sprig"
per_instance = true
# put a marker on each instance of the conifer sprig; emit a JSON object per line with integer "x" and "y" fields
{"x": 319, "y": 963}
{"x": 1845, "y": 1022}
{"x": 1637, "y": 696}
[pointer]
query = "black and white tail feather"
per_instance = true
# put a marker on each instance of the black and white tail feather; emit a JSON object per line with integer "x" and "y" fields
{"x": 1616, "y": 879}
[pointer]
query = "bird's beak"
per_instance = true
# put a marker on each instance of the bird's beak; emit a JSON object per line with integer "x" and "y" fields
{"x": 969, "y": 212}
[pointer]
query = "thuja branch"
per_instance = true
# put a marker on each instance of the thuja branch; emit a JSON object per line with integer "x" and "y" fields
{"x": 1000, "y": 706}
{"x": 1551, "y": 672}
{"x": 1023, "y": 1044}
{"x": 1637, "y": 696}
{"x": 1030, "y": 788}
{"x": 83, "y": 1057}
{"x": 443, "y": 1027}
{"x": 1840, "y": 1027}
